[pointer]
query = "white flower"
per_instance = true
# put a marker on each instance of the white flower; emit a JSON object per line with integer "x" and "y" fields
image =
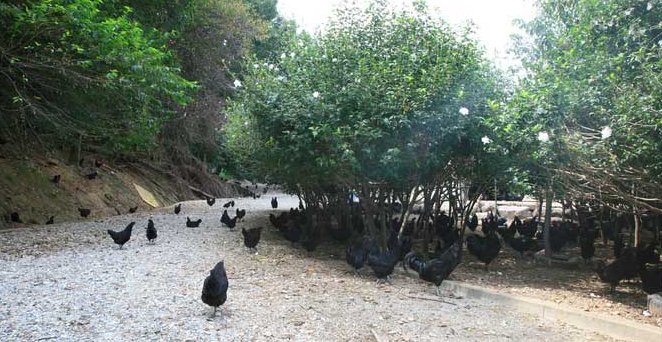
{"x": 543, "y": 136}
{"x": 237, "y": 83}
{"x": 606, "y": 132}
{"x": 324, "y": 56}
{"x": 464, "y": 111}
{"x": 283, "y": 55}
{"x": 265, "y": 64}
{"x": 292, "y": 54}
{"x": 225, "y": 42}
{"x": 485, "y": 140}
{"x": 316, "y": 94}
{"x": 256, "y": 66}
{"x": 271, "y": 67}
{"x": 649, "y": 6}
{"x": 245, "y": 123}
{"x": 334, "y": 60}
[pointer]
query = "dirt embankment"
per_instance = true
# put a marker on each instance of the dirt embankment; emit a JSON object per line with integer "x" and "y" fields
{"x": 27, "y": 187}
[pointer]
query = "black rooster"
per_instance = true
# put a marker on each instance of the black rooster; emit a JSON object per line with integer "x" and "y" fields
{"x": 192, "y": 224}
{"x": 485, "y": 248}
{"x": 51, "y": 220}
{"x": 228, "y": 204}
{"x": 211, "y": 201}
{"x": 133, "y": 210}
{"x": 178, "y": 209}
{"x": 151, "y": 231}
{"x": 274, "y": 203}
{"x": 251, "y": 237}
{"x": 438, "y": 269}
{"x": 215, "y": 287}
{"x": 84, "y": 212}
{"x": 240, "y": 214}
{"x": 122, "y": 236}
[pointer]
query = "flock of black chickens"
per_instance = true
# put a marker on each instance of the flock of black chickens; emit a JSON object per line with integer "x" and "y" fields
{"x": 214, "y": 290}
{"x": 299, "y": 225}
{"x": 485, "y": 245}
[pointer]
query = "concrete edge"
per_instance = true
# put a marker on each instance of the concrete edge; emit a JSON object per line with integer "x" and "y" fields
{"x": 608, "y": 326}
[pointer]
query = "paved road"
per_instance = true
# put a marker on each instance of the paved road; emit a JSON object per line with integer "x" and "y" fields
{"x": 68, "y": 282}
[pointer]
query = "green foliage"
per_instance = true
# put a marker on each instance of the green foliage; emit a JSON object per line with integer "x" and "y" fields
{"x": 592, "y": 64}
{"x": 71, "y": 69}
{"x": 375, "y": 99}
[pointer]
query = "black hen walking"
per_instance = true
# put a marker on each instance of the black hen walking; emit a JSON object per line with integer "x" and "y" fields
{"x": 274, "y": 203}
{"x": 241, "y": 214}
{"x": 215, "y": 287}
{"x": 151, "y": 231}
{"x": 251, "y": 237}
{"x": 193, "y": 224}
{"x": 178, "y": 209}
{"x": 123, "y": 236}
{"x": 438, "y": 269}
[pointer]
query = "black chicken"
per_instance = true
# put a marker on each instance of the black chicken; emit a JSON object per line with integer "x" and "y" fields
{"x": 522, "y": 244}
{"x": 14, "y": 217}
{"x": 251, "y": 237}
{"x": 356, "y": 253}
{"x": 274, "y": 203}
{"x": 215, "y": 287}
{"x": 528, "y": 228}
{"x": 133, "y": 210}
{"x": 92, "y": 175}
{"x": 211, "y": 201}
{"x": 292, "y": 232}
{"x": 473, "y": 223}
{"x": 382, "y": 262}
{"x": 340, "y": 234}
{"x": 241, "y": 214}
{"x": 312, "y": 239}
{"x": 56, "y": 179}
{"x": 227, "y": 204}
{"x": 231, "y": 223}
{"x": 625, "y": 267}
{"x": 51, "y": 220}
{"x": 485, "y": 248}
{"x": 508, "y": 232}
{"x": 438, "y": 269}
{"x": 225, "y": 217}
{"x": 587, "y": 244}
{"x": 651, "y": 279}
{"x": 122, "y": 236}
{"x": 178, "y": 209}
{"x": 151, "y": 231}
{"x": 84, "y": 212}
{"x": 193, "y": 224}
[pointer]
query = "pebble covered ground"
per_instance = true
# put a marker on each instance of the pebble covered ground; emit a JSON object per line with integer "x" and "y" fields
{"x": 69, "y": 282}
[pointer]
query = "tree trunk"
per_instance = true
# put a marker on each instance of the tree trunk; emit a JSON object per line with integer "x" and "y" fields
{"x": 548, "y": 220}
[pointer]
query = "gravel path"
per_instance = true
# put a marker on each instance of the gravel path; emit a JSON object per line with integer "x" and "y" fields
{"x": 68, "y": 282}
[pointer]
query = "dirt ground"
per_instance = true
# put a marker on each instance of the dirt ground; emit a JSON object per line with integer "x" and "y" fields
{"x": 68, "y": 282}
{"x": 578, "y": 289}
